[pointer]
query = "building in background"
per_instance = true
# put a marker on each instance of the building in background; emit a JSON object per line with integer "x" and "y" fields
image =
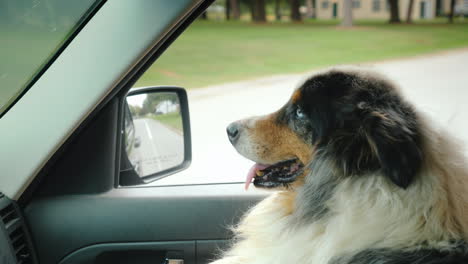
{"x": 461, "y": 8}
{"x": 380, "y": 9}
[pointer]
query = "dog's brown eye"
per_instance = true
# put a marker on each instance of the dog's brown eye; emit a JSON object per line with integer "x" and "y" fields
{"x": 299, "y": 113}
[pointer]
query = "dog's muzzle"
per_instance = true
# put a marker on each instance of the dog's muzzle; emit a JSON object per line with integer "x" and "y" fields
{"x": 264, "y": 174}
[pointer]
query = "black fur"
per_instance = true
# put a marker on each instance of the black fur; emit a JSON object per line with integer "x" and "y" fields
{"x": 456, "y": 254}
{"x": 361, "y": 122}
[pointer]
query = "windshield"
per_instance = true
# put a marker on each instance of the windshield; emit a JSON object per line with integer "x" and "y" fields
{"x": 31, "y": 33}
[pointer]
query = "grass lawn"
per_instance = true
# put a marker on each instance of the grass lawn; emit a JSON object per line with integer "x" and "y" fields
{"x": 212, "y": 52}
{"x": 172, "y": 120}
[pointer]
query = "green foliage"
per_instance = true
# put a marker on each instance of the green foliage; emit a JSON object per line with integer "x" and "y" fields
{"x": 153, "y": 99}
{"x": 135, "y": 110}
{"x": 172, "y": 120}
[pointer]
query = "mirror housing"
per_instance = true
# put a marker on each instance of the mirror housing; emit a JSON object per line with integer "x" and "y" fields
{"x": 133, "y": 175}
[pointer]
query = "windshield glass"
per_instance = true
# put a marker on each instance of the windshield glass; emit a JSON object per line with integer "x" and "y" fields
{"x": 31, "y": 32}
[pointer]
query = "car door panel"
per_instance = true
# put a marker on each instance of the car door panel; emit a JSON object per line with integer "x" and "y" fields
{"x": 208, "y": 250}
{"x": 135, "y": 215}
{"x": 202, "y": 251}
{"x": 142, "y": 253}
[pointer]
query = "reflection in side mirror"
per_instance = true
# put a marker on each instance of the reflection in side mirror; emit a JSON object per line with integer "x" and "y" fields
{"x": 156, "y": 121}
{"x": 137, "y": 142}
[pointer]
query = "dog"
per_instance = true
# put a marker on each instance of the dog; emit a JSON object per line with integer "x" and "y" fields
{"x": 361, "y": 177}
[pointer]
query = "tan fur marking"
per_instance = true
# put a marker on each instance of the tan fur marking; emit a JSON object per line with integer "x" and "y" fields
{"x": 287, "y": 201}
{"x": 297, "y": 95}
{"x": 278, "y": 141}
{"x": 383, "y": 117}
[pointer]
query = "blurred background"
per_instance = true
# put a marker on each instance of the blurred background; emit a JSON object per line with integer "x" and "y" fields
{"x": 245, "y": 57}
{"x": 241, "y": 39}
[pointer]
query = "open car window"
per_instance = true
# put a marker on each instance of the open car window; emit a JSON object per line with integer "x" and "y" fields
{"x": 233, "y": 68}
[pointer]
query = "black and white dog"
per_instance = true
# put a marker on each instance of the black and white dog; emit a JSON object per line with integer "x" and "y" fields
{"x": 361, "y": 178}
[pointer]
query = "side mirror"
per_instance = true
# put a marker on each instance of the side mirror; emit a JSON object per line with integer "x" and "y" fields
{"x": 156, "y": 139}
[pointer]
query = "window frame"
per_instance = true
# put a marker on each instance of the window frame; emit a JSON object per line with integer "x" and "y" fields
{"x": 376, "y": 6}
{"x": 355, "y": 4}
{"x": 325, "y": 4}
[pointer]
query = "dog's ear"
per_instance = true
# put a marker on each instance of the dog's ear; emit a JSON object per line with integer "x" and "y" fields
{"x": 394, "y": 140}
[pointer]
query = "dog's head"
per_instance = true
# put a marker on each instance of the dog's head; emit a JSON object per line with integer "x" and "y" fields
{"x": 355, "y": 119}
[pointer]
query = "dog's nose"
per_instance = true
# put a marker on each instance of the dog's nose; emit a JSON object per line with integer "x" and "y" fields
{"x": 233, "y": 132}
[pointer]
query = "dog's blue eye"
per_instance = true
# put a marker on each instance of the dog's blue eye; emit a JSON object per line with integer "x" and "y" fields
{"x": 299, "y": 113}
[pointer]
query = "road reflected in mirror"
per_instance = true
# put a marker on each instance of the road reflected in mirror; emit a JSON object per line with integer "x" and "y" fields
{"x": 154, "y": 139}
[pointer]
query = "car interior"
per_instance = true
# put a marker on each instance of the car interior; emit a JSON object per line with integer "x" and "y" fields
{"x": 83, "y": 147}
{"x": 87, "y": 205}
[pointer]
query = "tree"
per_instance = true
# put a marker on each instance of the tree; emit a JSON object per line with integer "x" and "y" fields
{"x": 258, "y": 10}
{"x": 394, "y": 11}
{"x": 227, "y": 10}
{"x": 295, "y": 14}
{"x": 409, "y": 15}
{"x": 153, "y": 99}
{"x": 235, "y": 9}
{"x": 135, "y": 110}
{"x": 452, "y": 11}
{"x": 348, "y": 14}
{"x": 278, "y": 10}
{"x": 310, "y": 8}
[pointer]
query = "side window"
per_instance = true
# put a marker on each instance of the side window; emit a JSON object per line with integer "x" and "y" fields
{"x": 233, "y": 69}
{"x": 48, "y": 26}
{"x": 376, "y": 5}
{"x": 325, "y": 4}
{"x": 356, "y": 3}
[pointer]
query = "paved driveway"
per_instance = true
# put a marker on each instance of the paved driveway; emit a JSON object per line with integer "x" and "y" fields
{"x": 436, "y": 84}
{"x": 160, "y": 147}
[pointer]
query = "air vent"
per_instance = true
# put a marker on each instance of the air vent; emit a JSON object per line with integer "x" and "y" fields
{"x": 8, "y": 214}
{"x": 15, "y": 231}
{"x": 20, "y": 246}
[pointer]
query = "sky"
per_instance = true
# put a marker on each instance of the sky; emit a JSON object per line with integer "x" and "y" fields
{"x": 136, "y": 100}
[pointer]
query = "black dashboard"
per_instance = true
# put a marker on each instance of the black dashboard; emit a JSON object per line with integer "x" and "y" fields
{"x": 15, "y": 242}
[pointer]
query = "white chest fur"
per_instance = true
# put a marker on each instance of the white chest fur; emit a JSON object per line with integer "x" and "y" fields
{"x": 360, "y": 217}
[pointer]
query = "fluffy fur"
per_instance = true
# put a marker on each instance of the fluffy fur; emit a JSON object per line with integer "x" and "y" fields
{"x": 381, "y": 185}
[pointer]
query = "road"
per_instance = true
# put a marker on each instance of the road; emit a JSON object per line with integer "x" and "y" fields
{"x": 436, "y": 84}
{"x": 160, "y": 148}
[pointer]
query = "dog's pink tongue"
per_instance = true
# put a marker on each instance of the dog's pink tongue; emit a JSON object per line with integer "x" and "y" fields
{"x": 252, "y": 173}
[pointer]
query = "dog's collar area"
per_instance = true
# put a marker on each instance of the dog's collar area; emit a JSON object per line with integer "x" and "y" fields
{"x": 278, "y": 174}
